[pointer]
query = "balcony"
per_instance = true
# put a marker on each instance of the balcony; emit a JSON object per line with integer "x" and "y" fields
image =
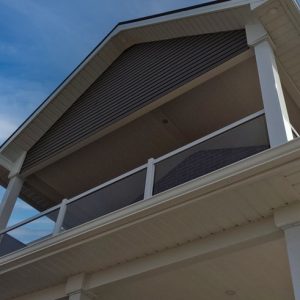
{"x": 219, "y": 149}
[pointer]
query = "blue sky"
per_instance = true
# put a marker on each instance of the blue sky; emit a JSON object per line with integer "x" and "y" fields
{"x": 42, "y": 41}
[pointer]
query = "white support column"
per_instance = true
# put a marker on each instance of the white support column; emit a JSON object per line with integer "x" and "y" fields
{"x": 12, "y": 191}
{"x": 278, "y": 123}
{"x": 288, "y": 219}
{"x": 9, "y": 199}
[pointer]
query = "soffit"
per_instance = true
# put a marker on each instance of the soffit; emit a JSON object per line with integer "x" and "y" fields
{"x": 225, "y": 16}
{"x": 241, "y": 195}
{"x": 260, "y": 272}
{"x": 281, "y": 19}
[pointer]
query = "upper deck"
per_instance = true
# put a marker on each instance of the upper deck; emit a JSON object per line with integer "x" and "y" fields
{"x": 177, "y": 135}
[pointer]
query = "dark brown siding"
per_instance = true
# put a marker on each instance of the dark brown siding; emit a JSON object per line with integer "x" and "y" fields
{"x": 142, "y": 74}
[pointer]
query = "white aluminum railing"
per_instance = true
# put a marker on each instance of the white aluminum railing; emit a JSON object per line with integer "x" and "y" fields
{"x": 149, "y": 181}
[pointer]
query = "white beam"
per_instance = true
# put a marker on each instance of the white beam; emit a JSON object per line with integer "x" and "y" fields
{"x": 277, "y": 118}
{"x": 288, "y": 219}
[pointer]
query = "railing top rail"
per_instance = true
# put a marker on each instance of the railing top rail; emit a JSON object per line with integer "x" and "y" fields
{"x": 211, "y": 135}
{"x": 28, "y": 220}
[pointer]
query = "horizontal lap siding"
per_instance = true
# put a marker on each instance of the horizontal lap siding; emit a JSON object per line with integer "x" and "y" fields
{"x": 141, "y": 75}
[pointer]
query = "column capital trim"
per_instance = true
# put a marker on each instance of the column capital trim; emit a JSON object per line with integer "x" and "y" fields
{"x": 256, "y": 34}
{"x": 17, "y": 166}
{"x": 75, "y": 284}
{"x": 287, "y": 217}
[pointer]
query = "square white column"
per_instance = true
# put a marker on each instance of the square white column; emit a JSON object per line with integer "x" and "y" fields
{"x": 9, "y": 199}
{"x": 278, "y": 124}
{"x": 277, "y": 118}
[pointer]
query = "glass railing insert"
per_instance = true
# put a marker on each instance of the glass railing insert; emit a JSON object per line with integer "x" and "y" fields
{"x": 219, "y": 151}
{"x": 27, "y": 233}
{"x": 107, "y": 199}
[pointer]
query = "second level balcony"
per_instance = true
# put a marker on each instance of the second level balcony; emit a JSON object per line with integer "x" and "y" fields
{"x": 210, "y": 153}
{"x": 215, "y": 123}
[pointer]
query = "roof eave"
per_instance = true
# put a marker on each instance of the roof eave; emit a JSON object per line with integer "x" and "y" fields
{"x": 123, "y": 35}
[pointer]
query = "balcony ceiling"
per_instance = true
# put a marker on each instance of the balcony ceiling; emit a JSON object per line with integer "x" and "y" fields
{"x": 216, "y": 103}
{"x": 260, "y": 272}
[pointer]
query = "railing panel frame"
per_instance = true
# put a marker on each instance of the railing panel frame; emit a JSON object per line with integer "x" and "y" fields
{"x": 211, "y": 135}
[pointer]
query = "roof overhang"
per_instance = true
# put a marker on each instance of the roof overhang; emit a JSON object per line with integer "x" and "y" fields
{"x": 221, "y": 16}
{"x": 212, "y": 17}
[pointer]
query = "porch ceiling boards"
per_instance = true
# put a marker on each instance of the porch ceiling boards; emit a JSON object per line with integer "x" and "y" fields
{"x": 241, "y": 195}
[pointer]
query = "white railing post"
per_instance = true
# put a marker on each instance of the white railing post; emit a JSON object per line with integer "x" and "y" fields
{"x": 60, "y": 217}
{"x": 149, "y": 179}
